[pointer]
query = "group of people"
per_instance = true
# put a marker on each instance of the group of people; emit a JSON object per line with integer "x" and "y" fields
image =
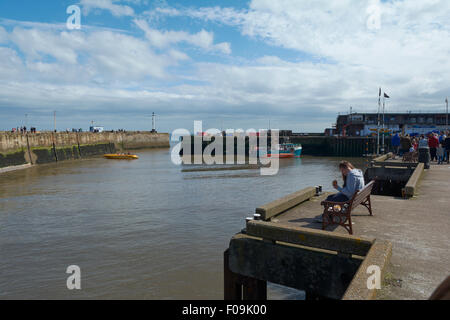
{"x": 437, "y": 144}
{"x": 23, "y": 130}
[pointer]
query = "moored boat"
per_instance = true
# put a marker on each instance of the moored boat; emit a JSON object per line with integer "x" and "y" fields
{"x": 121, "y": 156}
{"x": 286, "y": 150}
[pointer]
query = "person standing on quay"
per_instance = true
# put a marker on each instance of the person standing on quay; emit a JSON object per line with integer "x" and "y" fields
{"x": 424, "y": 152}
{"x": 447, "y": 148}
{"x": 415, "y": 144}
{"x": 423, "y": 142}
{"x": 442, "y": 142}
{"x": 440, "y": 154}
{"x": 405, "y": 143}
{"x": 395, "y": 142}
{"x": 433, "y": 143}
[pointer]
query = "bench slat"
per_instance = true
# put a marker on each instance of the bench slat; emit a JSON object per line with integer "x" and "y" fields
{"x": 362, "y": 195}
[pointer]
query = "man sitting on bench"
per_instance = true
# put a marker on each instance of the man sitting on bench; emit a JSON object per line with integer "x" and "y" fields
{"x": 353, "y": 182}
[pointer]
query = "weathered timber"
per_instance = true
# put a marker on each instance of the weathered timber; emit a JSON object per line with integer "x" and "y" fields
{"x": 276, "y": 207}
{"x": 395, "y": 164}
{"x": 347, "y": 244}
{"x": 384, "y": 157}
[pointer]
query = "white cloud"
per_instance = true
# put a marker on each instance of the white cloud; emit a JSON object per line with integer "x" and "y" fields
{"x": 163, "y": 39}
{"x": 36, "y": 43}
{"x": 109, "y": 5}
{"x": 340, "y": 63}
{"x": 3, "y": 35}
{"x": 11, "y": 66}
{"x": 408, "y": 54}
{"x": 97, "y": 56}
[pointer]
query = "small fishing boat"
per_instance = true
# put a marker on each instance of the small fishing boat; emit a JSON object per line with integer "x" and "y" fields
{"x": 286, "y": 150}
{"x": 121, "y": 156}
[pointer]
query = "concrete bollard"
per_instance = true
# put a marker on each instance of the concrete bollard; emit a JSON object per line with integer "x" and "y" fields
{"x": 257, "y": 216}
{"x": 318, "y": 191}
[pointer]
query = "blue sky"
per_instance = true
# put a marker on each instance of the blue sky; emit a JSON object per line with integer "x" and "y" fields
{"x": 231, "y": 64}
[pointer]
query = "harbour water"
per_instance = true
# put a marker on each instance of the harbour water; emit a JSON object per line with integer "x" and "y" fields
{"x": 137, "y": 229}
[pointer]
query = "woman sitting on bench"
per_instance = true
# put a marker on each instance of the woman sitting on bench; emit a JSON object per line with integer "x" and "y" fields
{"x": 353, "y": 182}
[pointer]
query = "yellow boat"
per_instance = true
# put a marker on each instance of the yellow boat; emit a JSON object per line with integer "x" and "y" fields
{"x": 120, "y": 156}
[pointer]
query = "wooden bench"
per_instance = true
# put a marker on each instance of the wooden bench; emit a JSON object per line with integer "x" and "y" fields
{"x": 340, "y": 212}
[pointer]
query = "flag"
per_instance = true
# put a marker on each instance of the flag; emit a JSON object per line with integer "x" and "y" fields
{"x": 386, "y": 96}
{"x": 446, "y": 100}
{"x": 379, "y": 94}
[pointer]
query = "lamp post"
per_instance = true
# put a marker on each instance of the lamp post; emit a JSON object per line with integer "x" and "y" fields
{"x": 446, "y": 121}
{"x": 385, "y": 96}
{"x": 153, "y": 122}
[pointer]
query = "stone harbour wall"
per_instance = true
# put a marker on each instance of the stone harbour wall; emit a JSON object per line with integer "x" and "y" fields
{"x": 38, "y": 148}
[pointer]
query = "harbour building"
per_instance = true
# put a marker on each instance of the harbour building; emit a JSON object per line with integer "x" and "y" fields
{"x": 365, "y": 124}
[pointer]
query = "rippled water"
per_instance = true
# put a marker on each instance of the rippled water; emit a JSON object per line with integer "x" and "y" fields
{"x": 138, "y": 229}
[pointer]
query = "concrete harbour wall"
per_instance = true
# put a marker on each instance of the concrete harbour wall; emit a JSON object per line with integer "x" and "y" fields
{"x": 18, "y": 149}
{"x": 312, "y": 145}
{"x": 338, "y": 147}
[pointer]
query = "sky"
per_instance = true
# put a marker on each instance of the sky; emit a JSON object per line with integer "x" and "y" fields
{"x": 231, "y": 64}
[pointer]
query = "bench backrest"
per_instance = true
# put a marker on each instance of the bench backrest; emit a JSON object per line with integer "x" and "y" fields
{"x": 361, "y": 195}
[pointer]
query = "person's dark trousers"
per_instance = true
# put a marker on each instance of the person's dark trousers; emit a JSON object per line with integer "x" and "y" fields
{"x": 338, "y": 197}
{"x": 397, "y": 150}
{"x": 448, "y": 156}
{"x": 433, "y": 154}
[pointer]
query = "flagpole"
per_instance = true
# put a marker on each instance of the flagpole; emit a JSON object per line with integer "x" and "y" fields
{"x": 378, "y": 123}
{"x": 446, "y": 122}
{"x": 384, "y": 99}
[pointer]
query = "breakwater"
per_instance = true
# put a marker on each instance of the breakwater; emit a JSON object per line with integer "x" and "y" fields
{"x": 338, "y": 146}
{"x": 312, "y": 145}
{"x": 18, "y": 149}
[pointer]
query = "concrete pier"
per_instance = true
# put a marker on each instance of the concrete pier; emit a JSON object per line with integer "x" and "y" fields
{"x": 312, "y": 145}
{"x": 412, "y": 237}
{"x": 35, "y": 148}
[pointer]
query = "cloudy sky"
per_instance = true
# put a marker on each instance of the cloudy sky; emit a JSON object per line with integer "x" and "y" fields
{"x": 229, "y": 63}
